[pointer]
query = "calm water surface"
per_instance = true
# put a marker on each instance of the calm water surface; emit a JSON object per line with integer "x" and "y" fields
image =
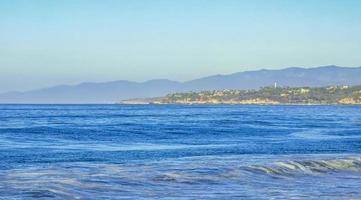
{"x": 180, "y": 152}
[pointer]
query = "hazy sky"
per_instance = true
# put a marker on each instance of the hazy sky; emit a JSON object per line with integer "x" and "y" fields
{"x": 48, "y": 42}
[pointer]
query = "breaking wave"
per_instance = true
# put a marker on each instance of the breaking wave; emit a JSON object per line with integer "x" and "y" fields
{"x": 275, "y": 169}
{"x": 309, "y": 166}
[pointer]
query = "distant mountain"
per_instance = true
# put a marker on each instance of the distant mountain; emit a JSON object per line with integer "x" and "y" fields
{"x": 293, "y": 77}
{"x": 110, "y": 92}
{"x": 106, "y": 92}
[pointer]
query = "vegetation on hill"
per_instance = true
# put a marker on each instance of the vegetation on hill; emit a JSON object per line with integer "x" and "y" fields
{"x": 267, "y": 95}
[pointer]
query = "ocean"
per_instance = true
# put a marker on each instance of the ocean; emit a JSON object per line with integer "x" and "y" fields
{"x": 180, "y": 152}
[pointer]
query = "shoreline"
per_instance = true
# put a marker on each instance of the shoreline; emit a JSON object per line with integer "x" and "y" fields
{"x": 259, "y": 104}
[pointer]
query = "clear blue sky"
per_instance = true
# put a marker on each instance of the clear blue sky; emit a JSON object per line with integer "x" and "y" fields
{"x": 48, "y": 42}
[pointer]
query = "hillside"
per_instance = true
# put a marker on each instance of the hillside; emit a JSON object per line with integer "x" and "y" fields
{"x": 268, "y": 95}
{"x": 110, "y": 92}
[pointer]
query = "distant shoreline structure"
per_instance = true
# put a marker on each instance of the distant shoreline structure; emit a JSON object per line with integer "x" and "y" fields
{"x": 114, "y": 91}
{"x": 332, "y": 95}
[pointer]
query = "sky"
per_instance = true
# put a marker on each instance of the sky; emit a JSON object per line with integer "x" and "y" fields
{"x": 51, "y": 42}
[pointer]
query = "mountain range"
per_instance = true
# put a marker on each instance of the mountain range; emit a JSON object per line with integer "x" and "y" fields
{"x": 111, "y": 92}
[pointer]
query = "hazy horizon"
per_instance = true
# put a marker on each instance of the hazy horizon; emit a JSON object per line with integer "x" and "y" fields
{"x": 180, "y": 81}
{"x": 47, "y": 43}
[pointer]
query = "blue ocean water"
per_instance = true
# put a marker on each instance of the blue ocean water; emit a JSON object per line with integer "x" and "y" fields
{"x": 180, "y": 152}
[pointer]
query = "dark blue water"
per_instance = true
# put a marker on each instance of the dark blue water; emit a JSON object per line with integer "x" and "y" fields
{"x": 180, "y": 152}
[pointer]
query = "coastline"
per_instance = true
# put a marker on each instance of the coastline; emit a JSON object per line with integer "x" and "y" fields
{"x": 246, "y": 104}
{"x": 331, "y": 95}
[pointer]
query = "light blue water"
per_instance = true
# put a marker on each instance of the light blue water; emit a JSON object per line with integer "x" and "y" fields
{"x": 180, "y": 152}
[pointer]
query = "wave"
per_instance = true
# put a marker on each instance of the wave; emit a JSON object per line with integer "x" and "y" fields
{"x": 276, "y": 169}
{"x": 309, "y": 166}
{"x": 321, "y": 134}
{"x": 187, "y": 178}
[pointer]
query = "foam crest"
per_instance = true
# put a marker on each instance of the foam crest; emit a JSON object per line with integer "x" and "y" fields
{"x": 309, "y": 166}
{"x": 186, "y": 178}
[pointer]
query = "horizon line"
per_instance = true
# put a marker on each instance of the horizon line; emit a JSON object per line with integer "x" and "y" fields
{"x": 166, "y": 79}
